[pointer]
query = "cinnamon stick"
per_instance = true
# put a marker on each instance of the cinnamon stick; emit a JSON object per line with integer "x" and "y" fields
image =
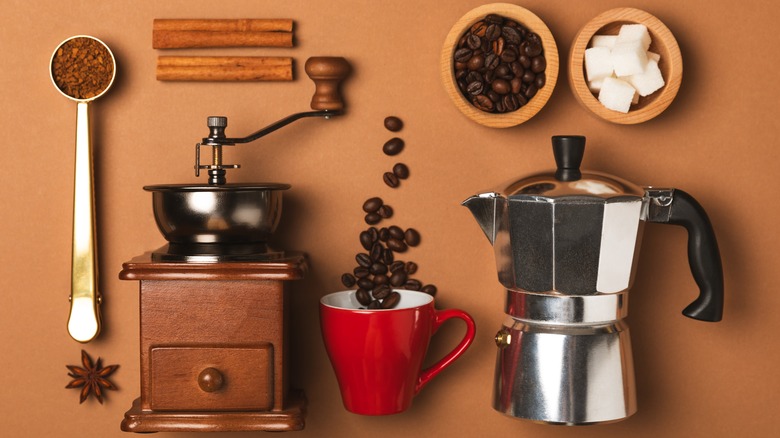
{"x": 224, "y": 68}
{"x": 179, "y": 39}
{"x": 215, "y": 25}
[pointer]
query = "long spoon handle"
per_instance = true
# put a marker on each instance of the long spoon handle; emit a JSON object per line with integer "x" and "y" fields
{"x": 84, "y": 319}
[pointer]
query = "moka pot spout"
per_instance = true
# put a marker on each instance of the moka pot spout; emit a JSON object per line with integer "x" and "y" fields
{"x": 485, "y": 208}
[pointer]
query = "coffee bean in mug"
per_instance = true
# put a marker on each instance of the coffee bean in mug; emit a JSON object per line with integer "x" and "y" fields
{"x": 389, "y": 344}
{"x": 363, "y": 297}
{"x": 380, "y": 279}
{"x": 381, "y": 291}
{"x": 391, "y": 300}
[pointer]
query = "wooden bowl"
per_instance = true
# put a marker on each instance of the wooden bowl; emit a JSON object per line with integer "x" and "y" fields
{"x": 663, "y": 43}
{"x": 531, "y": 22}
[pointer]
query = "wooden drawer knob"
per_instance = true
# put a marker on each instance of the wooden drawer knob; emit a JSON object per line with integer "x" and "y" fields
{"x": 210, "y": 380}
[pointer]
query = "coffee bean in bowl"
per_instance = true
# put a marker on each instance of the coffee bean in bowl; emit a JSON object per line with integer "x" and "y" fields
{"x": 499, "y": 64}
{"x": 500, "y": 59}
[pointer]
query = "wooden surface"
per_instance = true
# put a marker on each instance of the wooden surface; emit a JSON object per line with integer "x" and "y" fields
{"x": 290, "y": 419}
{"x": 247, "y": 374}
{"x": 224, "y": 68}
{"x": 717, "y": 141}
{"x": 193, "y": 320}
{"x": 530, "y": 21}
{"x": 662, "y": 42}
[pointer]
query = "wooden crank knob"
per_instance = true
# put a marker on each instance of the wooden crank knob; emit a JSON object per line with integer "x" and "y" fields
{"x": 210, "y": 380}
{"x": 327, "y": 72}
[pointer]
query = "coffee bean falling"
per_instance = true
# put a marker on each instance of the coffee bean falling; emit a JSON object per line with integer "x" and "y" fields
{"x": 376, "y": 210}
{"x": 377, "y": 271}
{"x": 394, "y": 146}
{"x": 391, "y": 180}
{"x": 393, "y": 124}
{"x": 401, "y": 171}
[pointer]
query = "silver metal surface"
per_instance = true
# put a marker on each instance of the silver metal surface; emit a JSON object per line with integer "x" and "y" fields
{"x": 595, "y": 184}
{"x": 658, "y": 207}
{"x": 216, "y": 253}
{"x": 563, "y": 374}
{"x": 566, "y": 309}
{"x": 574, "y": 245}
{"x": 247, "y": 213}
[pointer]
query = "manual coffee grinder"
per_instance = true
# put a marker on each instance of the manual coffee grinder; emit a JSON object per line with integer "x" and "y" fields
{"x": 214, "y": 301}
{"x": 566, "y": 243}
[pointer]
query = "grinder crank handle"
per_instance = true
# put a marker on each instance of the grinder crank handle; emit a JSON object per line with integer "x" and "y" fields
{"x": 327, "y": 72}
{"x": 674, "y": 206}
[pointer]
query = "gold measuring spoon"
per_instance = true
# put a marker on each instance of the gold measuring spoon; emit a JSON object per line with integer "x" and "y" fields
{"x": 83, "y": 68}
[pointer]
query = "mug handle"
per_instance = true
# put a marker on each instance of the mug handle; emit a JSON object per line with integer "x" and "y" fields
{"x": 439, "y": 318}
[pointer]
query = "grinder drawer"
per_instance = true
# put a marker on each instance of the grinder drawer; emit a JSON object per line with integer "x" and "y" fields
{"x": 203, "y": 378}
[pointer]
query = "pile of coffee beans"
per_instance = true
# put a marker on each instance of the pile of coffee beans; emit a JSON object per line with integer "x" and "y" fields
{"x": 378, "y": 271}
{"x": 499, "y": 64}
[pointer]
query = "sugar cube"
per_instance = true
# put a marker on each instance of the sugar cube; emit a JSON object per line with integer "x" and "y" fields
{"x": 634, "y": 32}
{"x": 595, "y": 86}
{"x": 598, "y": 63}
{"x": 648, "y": 81}
{"x": 616, "y": 94}
{"x": 628, "y": 58}
{"x": 603, "y": 41}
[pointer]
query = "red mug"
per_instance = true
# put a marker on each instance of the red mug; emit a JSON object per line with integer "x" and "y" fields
{"x": 377, "y": 354}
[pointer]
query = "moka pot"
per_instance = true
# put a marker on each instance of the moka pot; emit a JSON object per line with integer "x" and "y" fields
{"x": 566, "y": 243}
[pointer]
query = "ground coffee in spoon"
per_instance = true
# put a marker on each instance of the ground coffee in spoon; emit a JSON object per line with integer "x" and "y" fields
{"x": 82, "y": 68}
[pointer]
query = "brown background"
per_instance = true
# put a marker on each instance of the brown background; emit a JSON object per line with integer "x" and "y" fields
{"x": 717, "y": 141}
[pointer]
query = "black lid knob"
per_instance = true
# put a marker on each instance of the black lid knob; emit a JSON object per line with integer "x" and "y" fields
{"x": 568, "y": 151}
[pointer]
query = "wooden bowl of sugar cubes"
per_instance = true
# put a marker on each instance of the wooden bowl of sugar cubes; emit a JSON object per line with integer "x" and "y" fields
{"x": 625, "y": 66}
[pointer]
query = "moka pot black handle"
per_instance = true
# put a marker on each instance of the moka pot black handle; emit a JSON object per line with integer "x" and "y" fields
{"x": 703, "y": 255}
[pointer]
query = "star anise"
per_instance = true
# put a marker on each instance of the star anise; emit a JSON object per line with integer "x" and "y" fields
{"x": 92, "y": 379}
